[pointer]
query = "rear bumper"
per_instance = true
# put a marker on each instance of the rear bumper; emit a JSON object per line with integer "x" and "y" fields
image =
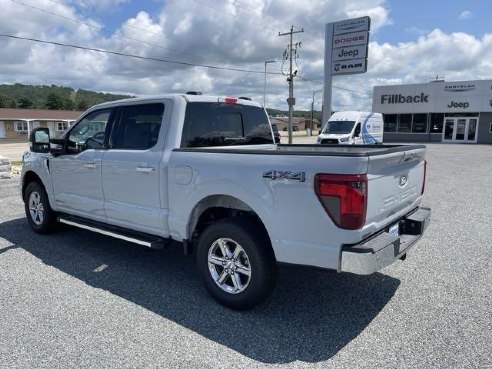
{"x": 378, "y": 252}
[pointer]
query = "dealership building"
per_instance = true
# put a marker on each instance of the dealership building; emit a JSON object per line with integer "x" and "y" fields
{"x": 438, "y": 111}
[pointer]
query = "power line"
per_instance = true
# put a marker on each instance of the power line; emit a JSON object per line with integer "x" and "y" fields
{"x": 337, "y": 87}
{"x": 116, "y": 33}
{"x": 221, "y": 10}
{"x": 252, "y": 10}
{"x": 136, "y": 56}
{"x": 354, "y": 91}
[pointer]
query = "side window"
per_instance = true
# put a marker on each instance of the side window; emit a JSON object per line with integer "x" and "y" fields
{"x": 357, "y": 130}
{"x": 138, "y": 127}
{"x": 89, "y": 133}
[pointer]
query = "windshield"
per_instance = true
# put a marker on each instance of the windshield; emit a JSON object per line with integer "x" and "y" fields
{"x": 339, "y": 127}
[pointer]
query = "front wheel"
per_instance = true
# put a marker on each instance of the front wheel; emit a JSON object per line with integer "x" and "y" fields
{"x": 38, "y": 210}
{"x": 236, "y": 263}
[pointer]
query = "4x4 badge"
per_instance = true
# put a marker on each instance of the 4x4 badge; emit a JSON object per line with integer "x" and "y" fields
{"x": 403, "y": 180}
{"x": 280, "y": 174}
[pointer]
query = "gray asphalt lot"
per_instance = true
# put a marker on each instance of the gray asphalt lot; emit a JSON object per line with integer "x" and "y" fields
{"x": 78, "y": 299}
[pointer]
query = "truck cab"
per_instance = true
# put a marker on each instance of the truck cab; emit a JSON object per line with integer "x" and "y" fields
{"x": 352, "y": 127}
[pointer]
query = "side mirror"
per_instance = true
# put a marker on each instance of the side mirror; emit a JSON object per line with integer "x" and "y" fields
{"x": 39, "y": 141}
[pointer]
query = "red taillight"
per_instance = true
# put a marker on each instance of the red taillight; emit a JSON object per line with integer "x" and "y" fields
{"x": 230, "y": 100}
{"x": 344, "y": 197}
{"x": 425, "y": 175}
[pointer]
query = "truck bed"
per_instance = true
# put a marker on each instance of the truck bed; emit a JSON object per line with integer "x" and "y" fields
{"x": 309, "y": 150}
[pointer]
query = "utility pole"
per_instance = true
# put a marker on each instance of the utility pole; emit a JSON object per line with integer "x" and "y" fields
{"x": 291, "y": 100}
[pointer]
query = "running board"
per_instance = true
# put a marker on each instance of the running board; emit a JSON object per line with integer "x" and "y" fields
{"x": 143, "y": 239}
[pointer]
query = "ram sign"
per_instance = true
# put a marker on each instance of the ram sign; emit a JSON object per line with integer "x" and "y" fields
{"x": 351, "y": 66}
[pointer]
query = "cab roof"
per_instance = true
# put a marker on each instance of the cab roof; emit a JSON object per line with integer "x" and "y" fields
{"x": 186, "y": 97}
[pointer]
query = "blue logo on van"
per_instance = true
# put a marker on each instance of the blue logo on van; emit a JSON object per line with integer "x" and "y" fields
{"x": 367, "y": 138}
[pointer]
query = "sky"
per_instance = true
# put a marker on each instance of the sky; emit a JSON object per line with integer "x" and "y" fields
{"x": 410, "y": 42}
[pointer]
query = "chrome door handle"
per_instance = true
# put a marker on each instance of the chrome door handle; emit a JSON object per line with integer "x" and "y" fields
{"x": 90, "y": 165}
{"x": 146, "y": 169}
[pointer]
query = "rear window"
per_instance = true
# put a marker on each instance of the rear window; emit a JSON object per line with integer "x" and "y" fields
{"x": 222, "y": 124}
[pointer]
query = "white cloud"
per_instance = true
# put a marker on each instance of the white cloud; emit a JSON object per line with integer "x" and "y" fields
{"x": 465, "y": 15}
{"x": 100, "y": 4}
{"x": 236, "y": 34}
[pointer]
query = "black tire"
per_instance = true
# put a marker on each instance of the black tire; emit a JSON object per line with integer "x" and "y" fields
{"x": 39, "y": 214}
{"x": 254, "y": 256}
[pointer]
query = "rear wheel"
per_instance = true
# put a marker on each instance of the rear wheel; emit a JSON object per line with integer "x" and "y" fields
{"x": 236, "y": 263}
{"x": 38, "y": 210}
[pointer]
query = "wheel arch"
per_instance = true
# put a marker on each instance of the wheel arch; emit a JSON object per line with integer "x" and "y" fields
{"x": 30, "y": 176}
{"x": 214, "y": 207}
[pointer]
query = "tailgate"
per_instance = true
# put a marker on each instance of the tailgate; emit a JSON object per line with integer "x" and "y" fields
{"x": 395, "y": 184}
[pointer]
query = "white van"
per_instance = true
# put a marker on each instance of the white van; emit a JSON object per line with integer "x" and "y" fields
{"x": 353, "y": 127}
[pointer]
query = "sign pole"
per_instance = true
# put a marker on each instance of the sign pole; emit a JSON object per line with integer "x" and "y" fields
{"x": 328, "y": 77}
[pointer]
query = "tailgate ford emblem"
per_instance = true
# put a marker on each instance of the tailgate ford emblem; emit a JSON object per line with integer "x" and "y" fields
{"x": 403, "y": 180}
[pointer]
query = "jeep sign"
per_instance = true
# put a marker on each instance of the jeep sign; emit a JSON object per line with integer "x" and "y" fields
{"x": 351, "y": 52}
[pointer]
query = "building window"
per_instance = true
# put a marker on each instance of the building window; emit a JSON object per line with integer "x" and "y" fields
{"x": 61, "y": 126}
{"x": 21, "y": 126}
{"x": 419, "y": 123}
{"x": 404, "y": 123}
{"x": 436, "y": 122}
{"x": 490, "y": 128}
{"x": 390, "y": 122}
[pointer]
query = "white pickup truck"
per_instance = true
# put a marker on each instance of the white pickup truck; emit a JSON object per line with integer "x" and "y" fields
{"x": 205, "y": 172}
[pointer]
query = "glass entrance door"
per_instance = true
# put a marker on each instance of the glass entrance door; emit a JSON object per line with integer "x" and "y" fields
{"x": 472, "y": 129}
{"x": 460, "y": 129}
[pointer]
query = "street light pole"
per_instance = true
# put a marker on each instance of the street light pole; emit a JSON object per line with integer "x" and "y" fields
{"x": 264, "y": 87}
{"x": 312, "y": 110}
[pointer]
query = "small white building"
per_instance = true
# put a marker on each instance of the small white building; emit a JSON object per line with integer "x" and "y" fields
{"x": 438, "y": 111}
{"x": 18, "y": 123}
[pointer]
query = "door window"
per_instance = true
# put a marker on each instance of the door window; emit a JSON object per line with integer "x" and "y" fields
{"x": 472, "y": 129}
{"x": 357, "y": 130}
{"x": 448, "y": 129}
{"x": 138, "y": 127}
{"x": 460, "y": 129}
{"x": 89, "y": 133}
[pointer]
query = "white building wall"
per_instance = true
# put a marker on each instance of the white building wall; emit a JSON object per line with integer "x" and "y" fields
{"x": 434, "y": 97}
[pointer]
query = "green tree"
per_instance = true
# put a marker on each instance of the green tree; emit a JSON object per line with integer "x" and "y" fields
{"x": 82, "y": 105}
{"x": 54, "y": 101}
{"x": 68, "y": 104}
{"x": 7, "y": 102}
{"x": 25, "y": 103}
